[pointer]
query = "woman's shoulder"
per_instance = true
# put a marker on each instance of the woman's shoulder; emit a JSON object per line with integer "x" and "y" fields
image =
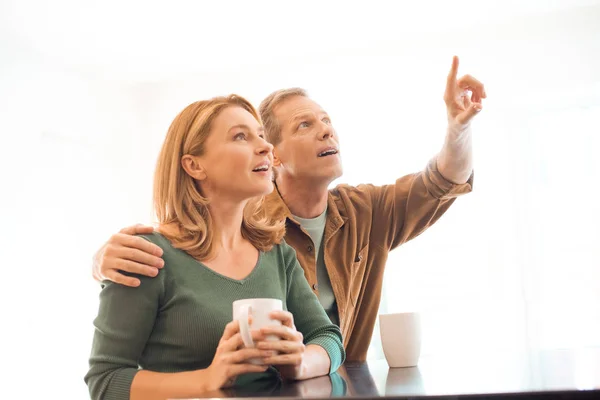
{"x": 158, "y": 239}
{"x": 171, "y": 254}
{"x": 283, "y": 253}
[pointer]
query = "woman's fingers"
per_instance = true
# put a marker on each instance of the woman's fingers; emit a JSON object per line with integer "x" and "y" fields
{"x": 286, "y": 318}
{"x": 283, "y": 332}
{"x": 236, "y": 342}
{"x": 282, "y": 346}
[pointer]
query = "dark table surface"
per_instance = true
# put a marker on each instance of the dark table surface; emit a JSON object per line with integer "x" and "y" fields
{"x": 556, "y": 374}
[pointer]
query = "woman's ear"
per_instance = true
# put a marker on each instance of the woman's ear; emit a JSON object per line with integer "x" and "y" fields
{"x": 191, "y": 165}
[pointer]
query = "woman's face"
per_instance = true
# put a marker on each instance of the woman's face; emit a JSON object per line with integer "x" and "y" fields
{"x": 237, "y": 161}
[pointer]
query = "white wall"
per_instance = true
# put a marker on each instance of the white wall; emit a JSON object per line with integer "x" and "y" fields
{"x": 68, "y": 164}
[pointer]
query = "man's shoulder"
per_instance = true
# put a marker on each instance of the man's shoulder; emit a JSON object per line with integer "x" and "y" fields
{"x": 275, "y": 206}
{"x": 345, "y": 193}
{"x": 347, "y": 200}
{"x": 346, "y": 189}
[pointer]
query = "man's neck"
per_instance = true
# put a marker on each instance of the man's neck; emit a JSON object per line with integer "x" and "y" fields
{"x": 305, "y": 199}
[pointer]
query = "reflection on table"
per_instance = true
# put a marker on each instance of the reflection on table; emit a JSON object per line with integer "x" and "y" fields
{"x": 560, "y": 374}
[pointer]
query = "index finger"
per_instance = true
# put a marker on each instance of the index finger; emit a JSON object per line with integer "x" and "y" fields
{"x": 236, "y": 342}
{"x": 452, "y": 75}
{"x": 230, "y": 330}
{"x": 286, "y": 317}
{"x": 137, "y": 229}
{"x": 140, "y": 243}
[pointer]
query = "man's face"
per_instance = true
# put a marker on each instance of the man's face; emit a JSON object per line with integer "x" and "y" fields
{"x": 309, "y": 148}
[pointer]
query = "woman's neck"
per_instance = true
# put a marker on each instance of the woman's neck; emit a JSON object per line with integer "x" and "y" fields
{"x": 227, "y": 218}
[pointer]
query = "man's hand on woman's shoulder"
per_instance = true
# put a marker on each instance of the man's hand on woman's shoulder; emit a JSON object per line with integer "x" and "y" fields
{"x": 126, "y": 252}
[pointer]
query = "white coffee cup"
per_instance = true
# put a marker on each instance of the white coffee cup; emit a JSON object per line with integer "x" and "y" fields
{"x": 259, "y": 309}
{"x": 401, "y": 338}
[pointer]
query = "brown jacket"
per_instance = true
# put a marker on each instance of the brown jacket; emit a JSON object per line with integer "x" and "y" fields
{"x": 363, "y": 224}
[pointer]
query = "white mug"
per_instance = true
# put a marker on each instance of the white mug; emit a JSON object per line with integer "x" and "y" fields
{"x": 259, "y": 309}
{"x": 401, "y": 338}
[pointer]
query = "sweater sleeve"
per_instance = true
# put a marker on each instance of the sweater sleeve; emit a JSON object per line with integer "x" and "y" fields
{"x": 124, "y": 323}
{"x": 309, "y": 316}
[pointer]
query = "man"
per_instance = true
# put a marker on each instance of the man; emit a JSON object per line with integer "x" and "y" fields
{"x": 342, "y": 236}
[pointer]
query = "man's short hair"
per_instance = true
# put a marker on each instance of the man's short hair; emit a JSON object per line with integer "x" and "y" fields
{"x": 272, "y": 127}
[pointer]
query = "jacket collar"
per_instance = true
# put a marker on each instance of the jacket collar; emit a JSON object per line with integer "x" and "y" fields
{"x": 335, "y": 210}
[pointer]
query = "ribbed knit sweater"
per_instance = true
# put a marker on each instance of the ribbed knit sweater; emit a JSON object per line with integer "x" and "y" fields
{"x": 173, "y": 322}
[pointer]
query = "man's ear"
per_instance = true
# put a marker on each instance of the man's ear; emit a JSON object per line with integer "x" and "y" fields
{"x": 193, "y": 167}
{"x": 276, "y": 160}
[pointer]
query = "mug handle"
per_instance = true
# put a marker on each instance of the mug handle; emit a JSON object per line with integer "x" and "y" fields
{"x": 245, "y": 312}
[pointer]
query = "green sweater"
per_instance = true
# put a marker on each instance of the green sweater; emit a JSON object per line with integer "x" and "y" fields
{"x": 173, "y": 322}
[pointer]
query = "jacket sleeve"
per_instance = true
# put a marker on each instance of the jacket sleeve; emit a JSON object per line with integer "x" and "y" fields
{"x": 405, "y": 209}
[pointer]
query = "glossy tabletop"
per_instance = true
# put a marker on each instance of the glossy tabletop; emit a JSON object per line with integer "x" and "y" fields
{"x": 556, "y": 374}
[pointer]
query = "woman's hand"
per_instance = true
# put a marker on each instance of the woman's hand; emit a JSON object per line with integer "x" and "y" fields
{"x": 291, "y": 349}
{"x": 232, "y": 359}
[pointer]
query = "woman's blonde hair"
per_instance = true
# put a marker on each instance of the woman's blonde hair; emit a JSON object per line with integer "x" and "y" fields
{"x": 181, "y": 209}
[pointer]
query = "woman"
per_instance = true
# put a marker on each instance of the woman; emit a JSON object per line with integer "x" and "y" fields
{"x": 172, "y": 336}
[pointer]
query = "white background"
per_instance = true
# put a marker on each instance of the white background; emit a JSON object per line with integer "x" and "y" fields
{"x": 87, "y": 92}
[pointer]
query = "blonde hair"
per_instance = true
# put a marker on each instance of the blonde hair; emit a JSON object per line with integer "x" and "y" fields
{"x": 272, "y": 127}
{"x": 182, "y": 211}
